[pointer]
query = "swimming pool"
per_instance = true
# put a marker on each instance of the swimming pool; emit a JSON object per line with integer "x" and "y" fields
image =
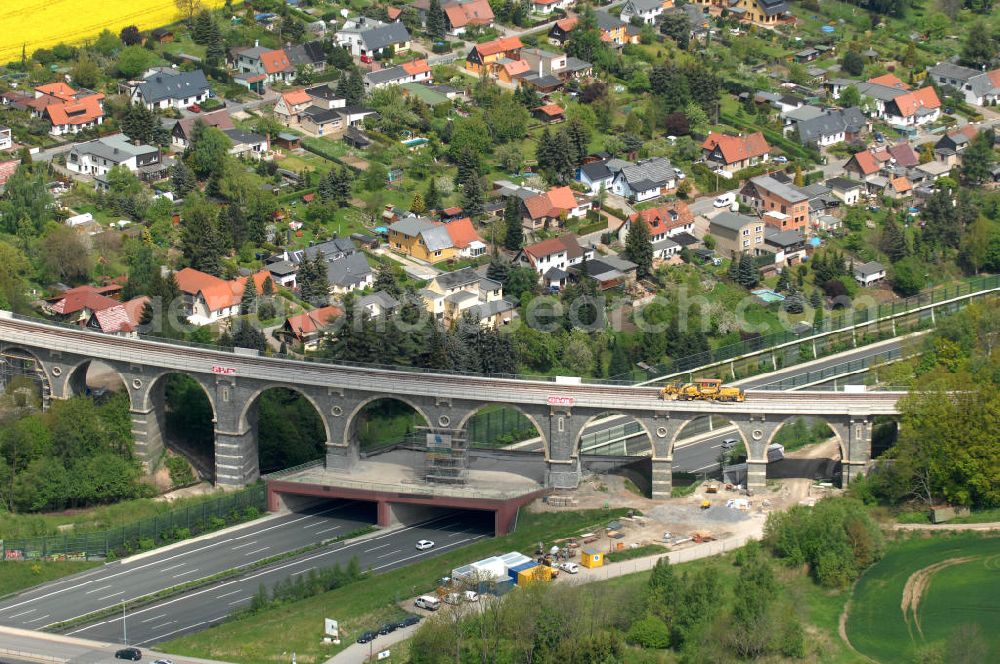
{"x": 768, "y": 295}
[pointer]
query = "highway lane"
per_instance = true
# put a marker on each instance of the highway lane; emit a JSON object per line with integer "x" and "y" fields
{"x": 779, "y": 379}
{"x": 202, "y": 608}
{"x": 128, "y": 579}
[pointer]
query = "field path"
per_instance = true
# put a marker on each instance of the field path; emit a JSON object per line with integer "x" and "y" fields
{"x": 917, "y": 585}
{"x": 995, "y": 525}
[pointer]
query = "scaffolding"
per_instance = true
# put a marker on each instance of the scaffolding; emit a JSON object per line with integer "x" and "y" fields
{"x": 446, "y": 456}
{"x": 22, "y": 377}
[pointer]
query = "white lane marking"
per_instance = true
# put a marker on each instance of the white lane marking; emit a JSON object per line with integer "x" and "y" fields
{"x": 239, "y": 601}
{"x": 28, "y": 622}
{"x": 163, "y": 636}
{"x": 96, "y": 590}
{"x": 130, "y": 569}
{"x": 278, "y": 568}
{"x": 169, "y": 622}
{"x": 257, "y": 551}
{"x": 167, "y": 569}
{"x": 389, "y": 554}
{"x": 243, "y": 545}
{"x": 228, "y": 594}
{"x": 101, "y": 599}
{"x": 304, "y": 571}
{"x": 711, "y": 465}
{"x": 314, "y": 525}
{"x": 320, "y": 532}
{"x": 23, "y": 613}
{"x": 190, "y": 571}
{"x": 381, "y": 546}
{"x": 162, "y": 615}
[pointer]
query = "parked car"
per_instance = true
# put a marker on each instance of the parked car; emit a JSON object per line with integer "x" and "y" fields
{"x": 879, "y": 137}
{"x": 131, "y": 654}
{"x": 427, "y": 602}
{"x": 423, "y": 545}
{"x": 367, "y": 637}
{"x": 194, "y": 108}
{"x": 725, "y": 200}
{"x": 780, "y": 159}
{"x": 569, "y": 568}
{"x": 679, "y": 173}
{"x": 387, "y": 628}
{"x": 408, "y": 622}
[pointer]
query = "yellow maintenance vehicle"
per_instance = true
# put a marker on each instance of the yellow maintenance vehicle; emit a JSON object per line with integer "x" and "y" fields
{"x": 703, "y": 389}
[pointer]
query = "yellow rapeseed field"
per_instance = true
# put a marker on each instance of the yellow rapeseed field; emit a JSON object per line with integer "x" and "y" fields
{"x": 45, "y": 23}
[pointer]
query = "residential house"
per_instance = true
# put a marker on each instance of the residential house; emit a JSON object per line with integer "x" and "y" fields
{"x": 326, "y": 96}
{"x": 452, "y": 295}
{"x": 283, "y": 273}
{"x": 68, "y": 111}
{"x": 761, "y": 12}
{"x": 832, "y": 126}
{"x": 664, "y": 223}
{"x": 546, "y": 7}
{"x": 258, "y": 67}
{"x": 980, "y": 88}
{"x": 736, "y": 234}
{"x": 913, "y": 109}
{"x": 368, "y": 39}
{"x": 165, "y": 87}
{"x": 950, "y": 147}
{"x": 310, "y": 56}
{"x": 645, "y": 180}
{"x": 867, "y": 274}
{"x": 209, "y": 299}
{"x": 432, "y": 241}
{"x": 465, "y": 239}
{"x": 846, "y": 190}
{"x": 766, "y": 194}
{"x": 607, "y": 271}
{"x": 123, "y": 319}
{"x": 615, "y": 31}
{"x": 598, "y": 175}
{"x": 6, "y": 138}
{"x": 93, "y": 308}
{"x": 789, "y": 247}
{"x": 862, "y": 165}
{"x": 180, "y": 135}
{"x": 415, "y": 71}
{"x": 290, "y": 105}
{"x": 552, "y": 258}
{"x": 899, "y": 188}
{"x": 488, "y": 58}
{"x": 97, "y": 157}
{"x": 734, "y": 153}
{"x": 248, "y": 144}
{"x": 461, "y": 15}
{"x": 307, "y": 328}
{"x": 377, "y": 304}
{"x": 645, "y": 10}
{"x": 552, "y": 208}
{"x": 347, "y": 269}
{"x": 319, "y": 121}
{"x": 549, "y": 113}
{"x": 559, "y": 32}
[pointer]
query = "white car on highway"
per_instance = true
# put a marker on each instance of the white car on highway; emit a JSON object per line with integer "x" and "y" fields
{"x": 423, "y": 545}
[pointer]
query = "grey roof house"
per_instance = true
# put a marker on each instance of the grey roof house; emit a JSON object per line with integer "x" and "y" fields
{"x": 171, "y": 88}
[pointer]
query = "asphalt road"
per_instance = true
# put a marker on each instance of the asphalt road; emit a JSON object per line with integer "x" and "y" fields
{"x": 114, "y": 583}
{"x": 778, "y": 380}
{"x": 202, "y": 608}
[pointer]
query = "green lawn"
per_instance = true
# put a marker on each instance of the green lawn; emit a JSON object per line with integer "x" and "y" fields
{"x": 297, "y": 627}
{"x": 954, "y": 596}
{"x": 15, "y": 576}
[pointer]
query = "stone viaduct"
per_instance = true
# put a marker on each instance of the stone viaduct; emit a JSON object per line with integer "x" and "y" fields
{"x": 233, "y": 381}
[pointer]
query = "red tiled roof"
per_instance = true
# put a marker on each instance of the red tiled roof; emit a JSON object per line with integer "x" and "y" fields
{"x": 462, "y": 233}
{"x": 552, "y": 203}
{"x": 80, "y": 298}
{"x": 551, "y": 109}
{"x": 737, "y": 148}
{"x": 901, "y": 185}
{"x": 515, "y": 67}
{"x": 218, "y": 293}
{"x": 295, "y": 97}
{"x": 905, "y": 155}
{"x": 911, "y": 102}
{"x": 415, "y": 67}
{"x": 476, "y": 12}
{"x": 219, "y": 119}
{"x": 562, "y": 198}
{"x": 890, "y": 81}
{"x": 60, "y": 90}
{"x": 994, "y": 77}
{"x": 660, "y": 220}
{"x": 7, "y": 169}
{"x": 567, "y": 24}
{"x": 80, "y": 111}
{"x": 866, "y": 161}
{"x": 501, "y": 45}
{"x": 393, "y": 13}
{"x": 275, "y": 61}
{"x": 545, "y": 248}
{"x": 544, "y": 2}
{"x": 121, "y": 317}
{"x": 311, "y": 321}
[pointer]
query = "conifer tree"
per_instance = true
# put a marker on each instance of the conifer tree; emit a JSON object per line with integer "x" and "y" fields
{"x": 248, "y": 303}
{"x": 432, "y": 199}
{"x": 513, "y": 238}
{"x": 639, "y": 248}
{"x": 473, "y": 199}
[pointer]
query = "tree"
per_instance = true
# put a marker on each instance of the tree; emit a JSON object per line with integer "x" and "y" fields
{"x": 142, "y": 125}
{"x": 182, "y": 178}
{"x": 907, "y": 277}
{"x": 893, "y": 242}
{"x": 85, "y": 72}
{"x": 639, "y": 248}
{"x": 215, "y": 46}
{"x": 435, "y": 20}
{"x": 794, "y": 303}
{"x": 850, "y": 97}
{"x": 677, "y": 26}
{"x": 248, "y": 302}
{"x": 980, "y": 48}
{"x": 784, "y": 281}
{"x": 188, "y": 8}
{"x": 234, "y": 226}
{"x": 352, "y": 86}
{"x": 65, "y": 257}
{"x": 619, "y": 364}
{"x": 473, "y": 198}
{"x": 432, "y": 199}
{"x": 417, "y": 205}
{"x": 649, "y": 632}
{"x": 978, "y": 159}
{"x": 498, "y": 269}
{"x": 975, "y": 244}
{"x": 134, "y": 60}
{"x": 130, "y": 35}
{"x": 513, "y": 238}
{"x": 201, "y": 242}
{"x": 208, "y": 150}
{"x": 749, "y": 276}
{"x": 853, "y": 63}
